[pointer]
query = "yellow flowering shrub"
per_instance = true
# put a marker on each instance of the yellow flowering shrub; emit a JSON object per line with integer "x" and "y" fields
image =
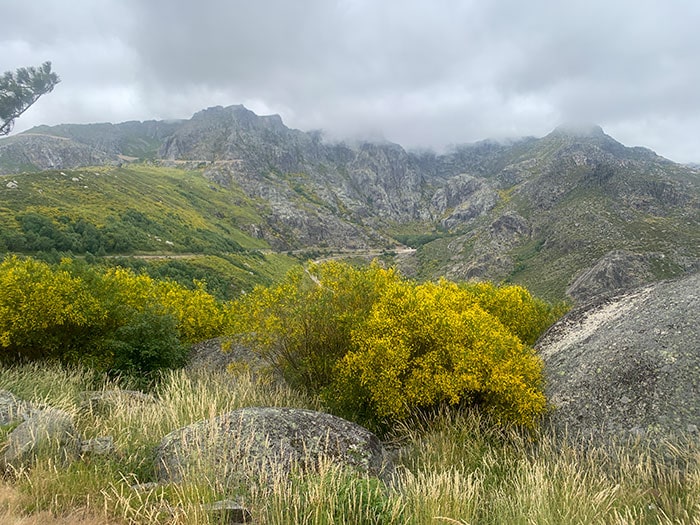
{"x": 303, "y": 324}
{"x": 515, "y": 307}
{"x": 378, "y": 347}
{"x": 428, "y": 344}
{"x": 43, "y": 310}
{"x": 111, "y": 320}
{"x": 198, "y": 314}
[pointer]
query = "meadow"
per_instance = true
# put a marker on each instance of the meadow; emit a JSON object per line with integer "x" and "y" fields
{"x": 454, "y": 468}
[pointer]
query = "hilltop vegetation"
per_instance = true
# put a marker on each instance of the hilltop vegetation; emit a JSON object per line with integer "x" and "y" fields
{"x": 190, "y": 228}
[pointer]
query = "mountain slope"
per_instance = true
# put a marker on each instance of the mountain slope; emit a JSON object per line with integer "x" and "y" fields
{"x": 542, "y": 212}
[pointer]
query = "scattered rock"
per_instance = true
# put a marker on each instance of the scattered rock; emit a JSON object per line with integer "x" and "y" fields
{"x": 145, "y": 487}
{"x": 628, "y": 365}
{"x": 227, "y": 512}
{"x": 104, "y": 401}
{"x": 100, "y": 446}
{"x": 263, "y": 442}
{"x": 11, "y": 408}
{"x": 46, "y": 432}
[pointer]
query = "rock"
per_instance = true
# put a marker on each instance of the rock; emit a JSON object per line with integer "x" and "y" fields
{"x": 618, "y": 270}
{"x": 11, "y": 408}
{"x": 100, "y": 446}
{"x": 216, "y": 356}
{"x": 48, "y": 431}
{"x": 628, "y": 365}
{"x": 227, "y": 512}
{"x": 264, "y": 442}
{"x": 104, "y": 401}
{"x": 145, "y": 487}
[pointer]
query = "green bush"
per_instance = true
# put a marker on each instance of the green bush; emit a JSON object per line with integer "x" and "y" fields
{"x": 146, "y": 343}
{"x": 379, "y": 348}
{"x": 113, "y": 320}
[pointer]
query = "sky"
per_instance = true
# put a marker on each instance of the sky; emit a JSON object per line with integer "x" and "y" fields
{"x": 424, "y": 74}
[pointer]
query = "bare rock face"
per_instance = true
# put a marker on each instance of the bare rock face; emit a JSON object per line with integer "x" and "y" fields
{"x": 617, "y": 271}
{"x": 628, "y": 365}
{"x": 34, "y": 152}
{"x": 263, "y": 442}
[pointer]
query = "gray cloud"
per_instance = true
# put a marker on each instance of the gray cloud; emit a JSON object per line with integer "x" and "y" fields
{"x": 416, "y": 72}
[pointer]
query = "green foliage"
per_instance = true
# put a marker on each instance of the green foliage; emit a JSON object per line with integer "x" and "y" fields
{"x": 431, "y": 344}
{"x": 147, "y": 342}
{"x": 139, "y": 208}
{"x": 21, "y": 89}
{"x": 112, "y": 320}
{"x": 303, "y": 325}
{"x": 378, "y": 348}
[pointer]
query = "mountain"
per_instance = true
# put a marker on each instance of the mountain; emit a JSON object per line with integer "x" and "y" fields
{"x": 573, "y": 213}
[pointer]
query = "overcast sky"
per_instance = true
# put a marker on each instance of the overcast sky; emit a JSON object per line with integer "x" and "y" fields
{"x": 421, "y": 73}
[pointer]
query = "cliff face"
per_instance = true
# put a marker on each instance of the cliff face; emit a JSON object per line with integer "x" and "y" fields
{"x": 536, "y": 211}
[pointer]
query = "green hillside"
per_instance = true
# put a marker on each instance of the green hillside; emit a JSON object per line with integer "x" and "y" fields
{"x": 166, "y": 221}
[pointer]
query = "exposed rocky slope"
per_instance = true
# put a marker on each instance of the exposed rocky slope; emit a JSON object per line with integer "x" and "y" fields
{"x": 628, "y": 365}
{"x": 536, "y": 211}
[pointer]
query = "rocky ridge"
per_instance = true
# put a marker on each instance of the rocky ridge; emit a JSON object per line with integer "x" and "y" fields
{"x": 534, "y": 211}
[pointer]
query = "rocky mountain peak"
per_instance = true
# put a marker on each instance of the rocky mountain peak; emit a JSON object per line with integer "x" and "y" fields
{"x": 237, "y": 116}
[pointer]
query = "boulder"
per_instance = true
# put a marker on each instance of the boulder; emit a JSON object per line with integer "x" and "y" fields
{"x": 102, "y": 402}
{"x": 264, "y": 442}
{"x": 628, "y": 365}
{"x": 227, "y": 512}
{"x": 220, "y": 354}
{"x": 11, "y": 408}
{"x": 45, "y": 432}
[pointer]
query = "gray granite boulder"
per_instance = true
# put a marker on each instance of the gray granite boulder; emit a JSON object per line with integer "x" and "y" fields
{"x": 264, "y": 442}
{"x": 12, "y": 409}
{"x": 628, "y": 366}
{"x": 44, "y": 432}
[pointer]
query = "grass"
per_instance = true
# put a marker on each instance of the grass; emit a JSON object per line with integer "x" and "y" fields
{"x": 456, "y": 468}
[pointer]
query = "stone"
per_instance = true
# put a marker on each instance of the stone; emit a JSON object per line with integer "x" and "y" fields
{"x": 100, "y": 446}
{"x": 12, "y": 408}
{"x": 227, "y": 512}
{"x": 102, "y": 402}
{"x": 252, "y": 444}
{"x": 47, "y": 431}
{"x": 627, "y": 366}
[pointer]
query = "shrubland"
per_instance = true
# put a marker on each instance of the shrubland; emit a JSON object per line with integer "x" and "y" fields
{"x": 456, "y": 467}
{"x": 444, "y": 370}
{"x": 113, "y": 320}
{"x": 378, "y": 348}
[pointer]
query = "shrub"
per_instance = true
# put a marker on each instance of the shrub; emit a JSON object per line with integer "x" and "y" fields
{"x": 303, "y": 325}
{"x": 429, "y": 344}
{"x": 378, "y": 347}
{"x": 148, "y": 342}
{"x": 44, "y": 312}
{"x": 115, "y": 320}
{"x": 522, "y": 314}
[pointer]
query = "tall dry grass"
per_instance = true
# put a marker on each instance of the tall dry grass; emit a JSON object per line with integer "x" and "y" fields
{"x": 456, "y": 468}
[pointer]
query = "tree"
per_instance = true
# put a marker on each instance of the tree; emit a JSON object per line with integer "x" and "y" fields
{"x": 21, "y": 89}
